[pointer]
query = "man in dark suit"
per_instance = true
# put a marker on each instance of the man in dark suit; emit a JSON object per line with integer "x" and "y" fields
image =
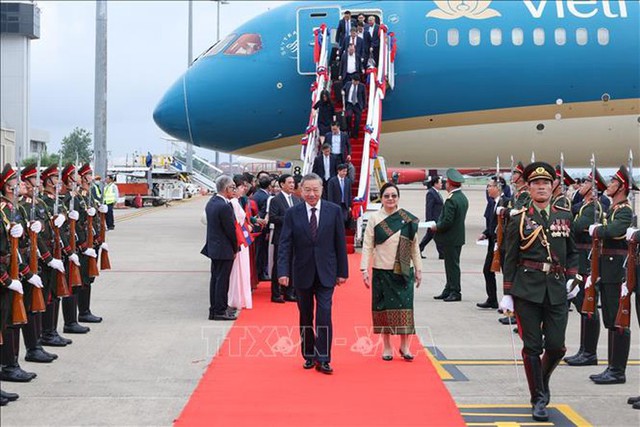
{"x": 325, "y": 166}
{"x": 221, "y": 247}
{"x": 350, "y": 64}
{"x": 344, "y": 26}
{"x": 262, "y": 242}
{"x": 372, "y": 39}
{"x": 433, "y": 208}
{"x": 313, "y": 252}
{"x": 279, "y": 205}
{"x": 352, "y": 39}
{"x": 355, "y": 99}
{"x": 494, "y": 200}
{"x": 339, "y": 189}
{"x": 339, "y": 141}
{"x": 450, "y": 234}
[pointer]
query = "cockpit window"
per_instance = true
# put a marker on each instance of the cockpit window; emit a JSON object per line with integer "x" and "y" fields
{"x": 217, "y": 47}
{"x": 245, "y": 45}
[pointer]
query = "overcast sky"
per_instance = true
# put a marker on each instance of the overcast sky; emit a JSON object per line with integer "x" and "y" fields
{"x": 147, "y": 52}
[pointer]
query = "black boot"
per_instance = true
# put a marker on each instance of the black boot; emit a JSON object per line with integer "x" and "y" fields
{"x": 533, "y": 369}
{"x": 70, "y": 314}
{"x": 633, "y": 400}
{"x": 550, "y": 361}
{"x": 35, "y": 352}
{"x": 84, "y": 306}
{"x": 590, "y": 328}
{"x": 595, "y": 377}
{"x": 11, "y": 370}
{"x": 11, "y": 397}
{"x": 619, "y": 357}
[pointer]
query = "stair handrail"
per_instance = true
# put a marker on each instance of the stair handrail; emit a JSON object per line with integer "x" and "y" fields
{"x": 322, "y": 50}
{"x": 377, "y": 89}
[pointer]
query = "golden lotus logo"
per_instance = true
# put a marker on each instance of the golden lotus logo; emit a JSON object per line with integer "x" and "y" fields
{"x": 454, "y": 9}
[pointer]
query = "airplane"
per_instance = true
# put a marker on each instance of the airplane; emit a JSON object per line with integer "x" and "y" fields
{"x": 473, "y": 80}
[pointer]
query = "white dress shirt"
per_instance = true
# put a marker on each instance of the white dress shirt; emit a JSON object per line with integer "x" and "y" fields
{"x": 351, "y": 63}
{"x": 336, "y": 146}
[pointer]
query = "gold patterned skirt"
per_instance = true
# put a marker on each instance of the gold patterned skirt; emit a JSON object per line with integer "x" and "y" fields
{"x": 392, "y": 303}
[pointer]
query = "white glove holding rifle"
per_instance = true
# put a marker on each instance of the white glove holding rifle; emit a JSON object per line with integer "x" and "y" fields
{"x": 56, "y": 264}
{"x": 16, "y": 286}
{"x": 36, "y": 281}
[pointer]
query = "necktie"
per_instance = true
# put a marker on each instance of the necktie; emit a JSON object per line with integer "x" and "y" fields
{"x": 289, "y": 200}
{"x": 545, "y": 218}
{"x": 352, "y": 95}
{"x": 342, "y": 190}
{"x": 313, "y": 224}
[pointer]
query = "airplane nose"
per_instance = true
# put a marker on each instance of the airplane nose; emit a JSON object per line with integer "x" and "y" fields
{"x": 171, "y": 112}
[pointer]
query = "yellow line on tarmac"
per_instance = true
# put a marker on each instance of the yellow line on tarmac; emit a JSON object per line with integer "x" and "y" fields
{"x": 471, "y": 362}
{"x": 572, "y": 415}
{"x": 444, "y": 374}
{"x": 493, "y": 414}
{"x": 509, "y": 424}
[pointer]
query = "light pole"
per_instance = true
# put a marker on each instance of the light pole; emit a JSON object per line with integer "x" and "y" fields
{"x": 218, "y": 3}
{"x": 189, "y": 61}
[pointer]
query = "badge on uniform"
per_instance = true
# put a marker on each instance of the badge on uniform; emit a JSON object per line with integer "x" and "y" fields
{"x": 560, "y": 228}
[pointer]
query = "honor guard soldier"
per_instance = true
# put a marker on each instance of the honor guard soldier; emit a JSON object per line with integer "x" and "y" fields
{"x": 90, "y": 224}
{"x": 589, "y": 325}
{"x": 633, "y": 236}
{"x": 539, "y": 267}
{"x": 614, "y": 250}
{"x": 559, "y": 198}
{"x": 450, "y": 235}
{"x": 12, "y": 218}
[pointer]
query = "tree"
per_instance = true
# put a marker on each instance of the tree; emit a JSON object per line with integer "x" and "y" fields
{"x": 77, "y": 143}
{"x": 45, "y": 161}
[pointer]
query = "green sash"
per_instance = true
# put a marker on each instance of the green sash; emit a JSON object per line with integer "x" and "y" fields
{"x": 407, "y": 224}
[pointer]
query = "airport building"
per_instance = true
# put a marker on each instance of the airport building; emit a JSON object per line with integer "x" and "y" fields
{"x": 19, "y": 25}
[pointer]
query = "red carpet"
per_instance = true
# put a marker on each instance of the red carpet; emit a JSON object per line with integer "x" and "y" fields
{"x": 257, "y": 376}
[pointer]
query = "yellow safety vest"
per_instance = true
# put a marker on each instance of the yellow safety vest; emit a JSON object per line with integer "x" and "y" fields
{"x": 110, "y": 194}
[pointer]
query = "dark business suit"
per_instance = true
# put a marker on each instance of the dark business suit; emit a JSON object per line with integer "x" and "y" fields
{"x": 358, "y": 44}
{"x": 262, "y": 242}
{"x": 433, "y": 207}
{"x": 345, "y": 146}
{"x": 372, "y": 42}
{"x": 491, "y": 222}
{"x": 314, "y": 265}
{"x": 344, "y": 63}
{"x": 335, "y": 195}
{"x": 221, "y": 248}
{"x": 344, "y": 29}
{"x": 354, "y": 107}
{"x": 277, "y": 209}
{"x": 318, "y": 169}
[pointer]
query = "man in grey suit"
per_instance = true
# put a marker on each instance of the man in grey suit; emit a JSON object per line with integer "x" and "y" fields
{"x": 221, "y": 247}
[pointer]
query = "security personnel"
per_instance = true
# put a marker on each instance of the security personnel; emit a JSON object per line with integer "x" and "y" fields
{"x": 540, "y": 264}
{"x": 110, "y": 199}
{"x": 614, "y": 250}
{"x": 633, "y": 236}
{"x": 589, "y": 325}
{"x": 450, "y": 235}
{"x": 558, "y": 196}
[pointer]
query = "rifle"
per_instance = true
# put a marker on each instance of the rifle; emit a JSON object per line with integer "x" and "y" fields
{"x": 37, "y": 298}
{"x": 589, "y": 303}
{"x": 93, "y": 263}
{"x": 74, "y": 271}
{"x": 105, "y": 263}
{"x": 562, "y": 183}
{"x": 62, "y": 289}
{"x": 496, "y": 261}
{"x": 18, "y": 312}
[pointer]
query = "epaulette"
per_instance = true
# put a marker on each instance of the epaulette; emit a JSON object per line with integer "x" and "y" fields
{"x": 562, "y": 208}
{"x": 515, "y": 212}
{"x": 621, "y": 205}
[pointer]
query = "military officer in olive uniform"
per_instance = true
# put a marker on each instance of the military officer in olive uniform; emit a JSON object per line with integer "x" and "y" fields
{"x": 614, "y": 250}
{"x": 633, "y": 236}
{"x": 539, "y": 267}
{"x": 589, "y": 325}
{"x": 450, "y": 235}
{"x": 558, "y": 196}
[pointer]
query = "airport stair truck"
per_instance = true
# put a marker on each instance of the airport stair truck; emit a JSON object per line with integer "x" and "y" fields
{"x": 364, "y": 148}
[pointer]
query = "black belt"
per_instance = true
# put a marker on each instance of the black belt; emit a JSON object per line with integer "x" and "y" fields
{"x": 622, "y": 252}
{"x": 545, "y": 267}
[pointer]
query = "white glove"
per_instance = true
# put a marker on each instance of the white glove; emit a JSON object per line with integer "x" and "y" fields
{"x": 500, "y": 209}
{"x": 91, "y": 252}
{"x": 74, "y": 215}
{"x": 16, "y": 231}
{"x": 572, "y": 293}
{"x": 592, "y": 228}
{"x": 36, "y": 281}
{"x": 74, "y": 259}
{"x": 60, "y": 219}
{"x": 91, "y": 211}
{"x": 630, "y": 232}
{"x": 16, "y": 286}
{"x": 624, "y": 291}
{"x": 103, "y": 209}
{"x": 506, "y": 304}
{"x": 56, "y": 264}
{"x": 588, "y": 283}
{"x": 36, "y": 226}
{"x": 104, "y": 247}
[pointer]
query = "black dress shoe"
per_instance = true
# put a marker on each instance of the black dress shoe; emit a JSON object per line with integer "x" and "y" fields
{"x": 422, "y": 256}
{"x": 582, "y": 359}
{"x": 88, "y": 317}
{"x": 278, "y": 300}
{"x": 636, "y": 405}
{"x": 16, "y": 374}
{"x": 507, "y": 320}
{"x": 11, "y": 397}
{"x": 488, "y": 304}
{"x": 453, "y": 298}
{"x": 406, "y": 356}
{"x": 53, "y": 340}
{"x": 539, "y": 410}
{"x": 441, "y": 257}
{"x": 387, "y": 357}
{"x": 633, "y": 400}
{"x": 443, "y": 295}
{"x": 75, "y": 328}
{"x": 64, "y": 339}
{"x": 224, "y": 316}
{"x": 37, "y": 355}
{"x": 52, "y": 355}
{"x": 613, "y": 376}
{"x": 324, "y": 367}
{"x": 308, "y": 364}
{"x": 601, "y": 374}
{"x": 3, "y": 401}
{"x": 290, "y": 298}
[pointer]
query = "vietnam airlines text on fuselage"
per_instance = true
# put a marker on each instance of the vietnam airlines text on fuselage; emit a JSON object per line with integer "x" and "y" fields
{"x": 473, "y": 79}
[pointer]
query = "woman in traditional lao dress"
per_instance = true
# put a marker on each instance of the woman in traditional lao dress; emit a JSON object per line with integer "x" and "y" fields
{"x": 240, "y": 280}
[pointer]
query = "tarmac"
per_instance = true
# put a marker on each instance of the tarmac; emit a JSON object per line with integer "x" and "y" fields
{"x": 140, "y": 366}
